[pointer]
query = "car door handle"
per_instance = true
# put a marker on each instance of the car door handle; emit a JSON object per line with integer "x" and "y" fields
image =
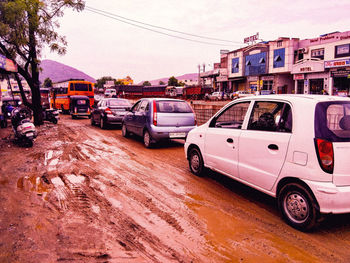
{"x": 273, "y": 147}
{"x": 229, "y": 140}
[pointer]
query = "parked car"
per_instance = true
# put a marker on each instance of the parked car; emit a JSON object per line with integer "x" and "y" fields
{"x": 292, "y": 147}
{"x": 79, "y": 106}
{"x": 216, "y": 95}
{"x": 110, "y": 93}
{"x": 157, "y": 119}
{"x": 109, "y": 111}
{"x": 240, "y": 94}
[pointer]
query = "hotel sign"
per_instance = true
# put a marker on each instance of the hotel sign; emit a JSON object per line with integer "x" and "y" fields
{"x": 337, "y": 63}
{"x": 252, "y": 38}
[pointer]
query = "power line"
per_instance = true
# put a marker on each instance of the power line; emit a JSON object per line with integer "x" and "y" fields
{"x": 113, "y": 16}
{"x": 164, "y": 28}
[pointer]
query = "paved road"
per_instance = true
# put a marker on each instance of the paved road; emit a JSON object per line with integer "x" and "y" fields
{"x": 83, "y": 194}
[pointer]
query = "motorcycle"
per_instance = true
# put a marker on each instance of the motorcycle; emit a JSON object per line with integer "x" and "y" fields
{"x": 23, "y": 128}
{"x": 51, "y": 115}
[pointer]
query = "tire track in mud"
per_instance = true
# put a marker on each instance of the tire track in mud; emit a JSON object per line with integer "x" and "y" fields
{"x": 69, "y": 166}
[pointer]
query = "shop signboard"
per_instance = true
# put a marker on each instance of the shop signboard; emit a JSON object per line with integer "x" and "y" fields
{"x": 337, "y": 63}
{"x": 340, "y": 73}
{"x": 298, "y": 76}
{"x": 7, "y": 64}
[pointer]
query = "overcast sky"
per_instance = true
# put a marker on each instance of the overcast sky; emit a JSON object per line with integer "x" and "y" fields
{"x": 100, "y": 46}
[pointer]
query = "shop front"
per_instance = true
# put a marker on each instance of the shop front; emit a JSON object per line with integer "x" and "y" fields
{"x": 340, "y": 76}
{"x": 310, "y": 77}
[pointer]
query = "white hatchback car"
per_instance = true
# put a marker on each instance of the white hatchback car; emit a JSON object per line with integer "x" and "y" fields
{"x": 293, "y": 147}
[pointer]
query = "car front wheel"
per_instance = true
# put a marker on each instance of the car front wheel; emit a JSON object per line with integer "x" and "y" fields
{"x": 298, "y": 207}
{"x": 195, "y": 162}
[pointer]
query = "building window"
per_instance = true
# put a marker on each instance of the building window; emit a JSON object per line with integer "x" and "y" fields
{"x": 235, "y": 54}
{"x": 235, "y": 65}
{"x": 278, "y": 58}
{"x": 279, "y": 43}
{"x": 267, "y": 85}
{"x": 342, "y": 51}
{"x": 248, "y": 63}
{"x": 318, "y": 53}
{"x": 262, "y": 61}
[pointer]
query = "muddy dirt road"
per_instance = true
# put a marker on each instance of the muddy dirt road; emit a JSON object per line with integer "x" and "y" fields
{"x": 83, "y": 194}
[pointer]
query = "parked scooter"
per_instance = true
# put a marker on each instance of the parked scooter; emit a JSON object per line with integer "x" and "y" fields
{"x": 23, "y": 128}
{"x": 51, "y": 115}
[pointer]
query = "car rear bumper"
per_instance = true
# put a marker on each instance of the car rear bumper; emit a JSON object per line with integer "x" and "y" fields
{"x": 331, "y": 198}
{"x": 114, "y": 119}
{"x": 163, "y": 133}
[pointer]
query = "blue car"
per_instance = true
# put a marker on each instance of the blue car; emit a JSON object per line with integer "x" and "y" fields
{"x": 157, "y": 119}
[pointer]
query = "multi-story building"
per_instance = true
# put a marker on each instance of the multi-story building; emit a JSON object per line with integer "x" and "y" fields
{"x": 288, "y": 65}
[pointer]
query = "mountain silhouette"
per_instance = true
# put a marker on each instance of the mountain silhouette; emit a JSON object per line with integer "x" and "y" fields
{"x": 58, "y": 72}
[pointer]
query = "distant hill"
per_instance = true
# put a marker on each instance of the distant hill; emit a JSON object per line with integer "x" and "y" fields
{"x": 189, "y": 76}
{"x": 57, "y": 72}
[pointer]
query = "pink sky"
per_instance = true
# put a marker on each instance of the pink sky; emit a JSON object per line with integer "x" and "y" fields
{"x": 100, "y": 46}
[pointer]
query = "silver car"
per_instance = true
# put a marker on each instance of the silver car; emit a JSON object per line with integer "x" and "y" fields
{"x": 157, "y": 119}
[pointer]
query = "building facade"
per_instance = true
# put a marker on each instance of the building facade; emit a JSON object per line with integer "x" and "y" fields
{"x": 287, "y": 65}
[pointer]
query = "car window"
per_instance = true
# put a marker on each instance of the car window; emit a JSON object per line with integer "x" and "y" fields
{"x": 143, "y": 106}
{"x": 232, "y": 117}
{"x": 119, "y": 103}
{"x": 136, "y": 106}
{"x": 271, "y": 116}
{"x": 332, "y": 121}
{"x": 169, "y": 106}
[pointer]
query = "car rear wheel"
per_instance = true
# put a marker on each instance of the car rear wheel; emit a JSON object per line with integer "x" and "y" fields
{"x": 195, "y": 162}
{"x": 92, "y": 121}
{"x": 147, "y": 140}
{"x": 125, "y": 132}
{"x": 298, "y": 207}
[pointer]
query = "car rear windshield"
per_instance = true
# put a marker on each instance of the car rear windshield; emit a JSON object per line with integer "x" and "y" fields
{"x": 173, "y": 107}
{"x": 332, "y": 121}
{"x": 119, "y": 103}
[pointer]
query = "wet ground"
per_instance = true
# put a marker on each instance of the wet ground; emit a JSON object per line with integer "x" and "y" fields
{"x": 83, "y": 194}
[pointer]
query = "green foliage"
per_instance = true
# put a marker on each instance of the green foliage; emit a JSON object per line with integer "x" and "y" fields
{"x": 173, "y": 81}
{"x": 26, "y": 27}
{"x": 100, "y": 82}
{"x": 47, "y": 83}
{"x": 161, "y": 83}
{"x": 146, "y": 83}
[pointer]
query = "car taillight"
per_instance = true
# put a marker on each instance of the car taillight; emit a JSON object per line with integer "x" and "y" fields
{"x": 154, "y": 113}
{"x": 325, "y": 155}
{"x": 108, "y": 111}
{"x": 75, "y": 110}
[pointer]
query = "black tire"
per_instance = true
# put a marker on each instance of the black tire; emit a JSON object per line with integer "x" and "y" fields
{"x": 125, "y": 132}
{"x": 298, "y": 207}
{"x": 103, "y": 124}
{"x": 54, "y": 120}
{"x": 195, "y": 162}
{"x": 92, "y": 121}
{"x": 147, "y": 139}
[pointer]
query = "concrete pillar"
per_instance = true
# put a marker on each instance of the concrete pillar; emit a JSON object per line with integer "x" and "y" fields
{"x": 330, "y": 85}
{"x": 295, "y": 87}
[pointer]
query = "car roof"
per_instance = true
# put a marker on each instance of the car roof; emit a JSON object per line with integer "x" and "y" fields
{"x": 162, "y": 99}
{"x": 296, "y": 98}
